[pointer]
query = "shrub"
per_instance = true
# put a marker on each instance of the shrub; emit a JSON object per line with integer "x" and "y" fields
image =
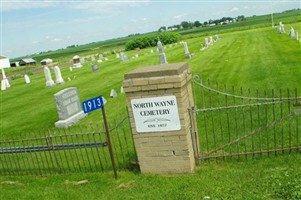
{"x": 151, "y": 40}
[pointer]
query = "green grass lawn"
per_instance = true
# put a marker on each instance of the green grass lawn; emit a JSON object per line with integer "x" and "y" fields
{"x": 265, "y": 178}
{"x": 256, "y": 58}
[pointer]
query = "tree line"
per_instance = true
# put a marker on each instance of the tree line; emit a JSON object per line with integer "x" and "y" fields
{"x": 188, "y": 24}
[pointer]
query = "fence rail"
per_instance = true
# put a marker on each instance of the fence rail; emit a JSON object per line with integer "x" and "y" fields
{"x": 77, "y": 149}
{"x": 237, "y": 122}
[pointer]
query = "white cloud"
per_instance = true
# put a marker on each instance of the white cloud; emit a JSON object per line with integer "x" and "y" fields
{"x": 234, "y": 9}
{"x": 56, "y": 39}
{"x": 179, "y": 16}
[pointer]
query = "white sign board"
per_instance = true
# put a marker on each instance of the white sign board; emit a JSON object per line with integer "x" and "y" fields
{"x": 156, "y": 114}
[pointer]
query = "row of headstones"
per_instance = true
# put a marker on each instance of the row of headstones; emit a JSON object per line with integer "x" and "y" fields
{"x": 58, "y": 76}
{"x": 292, "y": 33}
{"x": 209, "y": 42}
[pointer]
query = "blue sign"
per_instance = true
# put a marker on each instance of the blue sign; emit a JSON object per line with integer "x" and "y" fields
{"x": 92, "y": 104}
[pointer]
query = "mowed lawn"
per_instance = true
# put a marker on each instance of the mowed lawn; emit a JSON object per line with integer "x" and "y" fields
{"x": 263, "y": 178}
{"x": 256, "y": 59}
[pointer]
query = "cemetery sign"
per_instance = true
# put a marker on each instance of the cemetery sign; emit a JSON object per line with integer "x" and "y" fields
{"x": 156, "y": 114}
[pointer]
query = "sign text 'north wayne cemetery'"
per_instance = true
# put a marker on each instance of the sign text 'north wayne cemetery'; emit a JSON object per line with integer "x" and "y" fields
{"x": 156, "y": 114}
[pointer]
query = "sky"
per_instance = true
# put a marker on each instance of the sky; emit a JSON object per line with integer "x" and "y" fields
{"x": 33, "y": 26}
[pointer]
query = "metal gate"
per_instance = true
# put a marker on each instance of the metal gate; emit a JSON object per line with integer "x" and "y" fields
{"x": 236, "y": 122}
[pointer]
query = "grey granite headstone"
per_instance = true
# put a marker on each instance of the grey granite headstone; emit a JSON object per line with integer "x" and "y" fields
{"x": 162, "y": 56}
{"x": 95, "y": 68}
{"x": 124, "y": 57}
{"x": 68, "y": 107}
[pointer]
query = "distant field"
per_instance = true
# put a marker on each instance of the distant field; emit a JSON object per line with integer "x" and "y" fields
{"x": 64, "y": 55}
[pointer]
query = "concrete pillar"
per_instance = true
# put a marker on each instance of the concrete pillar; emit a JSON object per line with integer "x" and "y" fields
{"x": 159, "y": 99}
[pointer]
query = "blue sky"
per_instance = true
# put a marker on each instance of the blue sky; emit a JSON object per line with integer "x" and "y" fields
{"x": 32, "y": 26}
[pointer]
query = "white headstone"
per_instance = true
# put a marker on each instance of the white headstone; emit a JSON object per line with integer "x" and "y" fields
{"x": 211, "y": 40}
{"x": 70, "y": 68}
{"x": 49, "y": 81}
{"x": 58, "y": 75}
{"x": 27, "y": 79}
{"x": 117, "y": 55}
{"x": 100, "y": 56}
{"x": 151, "y": 51}
{"x": 69, "y": 79}
{"x": 187, "y": 54}
{"x": 113, "y": 93}
{"x": 206, "y": 43}
{"x": 4, "y": 83}
{"x": 121, "y": 90}
{"x": 99, "y": 61}
{"x": 106, "y": 59}
{"x": 292, "y": 32}
{"x": 136, "y": 55}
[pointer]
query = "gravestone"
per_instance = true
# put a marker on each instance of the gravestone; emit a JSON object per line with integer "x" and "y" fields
{"x": 27, "y": 79}
{"x": 124, "y": 57}
{"x": 99, "y": 61}
{"x": 4, "y": 63}
{"x": 217, "y": 38}
{"x": 162, "y": 56}
{"x": 100, "y": 56}
{"x": 95, "y": 68}
{"x": 151, "y": 51}
{"x": 211, "y": 40}
{"x": 117, "y": 55}
{"x": 49, "y": 81}
{"x": 113, "y": 93}
{"x": 4, "y": 82}
{"x": 187, "y": 54}
{"x": 68, "y": 107}
{"x": 106, "y": 59}
{"x": 71, "y": 69}
{"x": 281, "y": 28}
{"x": 121, "y": 90}
{"x": 292, "y": 32}
{"x": 206, "y": 43}
{"x": 58, "y": 75}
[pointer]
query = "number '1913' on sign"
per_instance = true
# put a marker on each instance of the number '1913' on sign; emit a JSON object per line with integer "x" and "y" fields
{"x": 92, "y": 104}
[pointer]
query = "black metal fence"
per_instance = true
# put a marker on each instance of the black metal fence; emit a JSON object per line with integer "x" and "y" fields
{"x": 234, "y": 122}
{"x": 76, "y": 149}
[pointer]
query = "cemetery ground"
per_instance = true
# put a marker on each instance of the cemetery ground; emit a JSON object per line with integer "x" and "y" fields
{"x": 258, "y": 58}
